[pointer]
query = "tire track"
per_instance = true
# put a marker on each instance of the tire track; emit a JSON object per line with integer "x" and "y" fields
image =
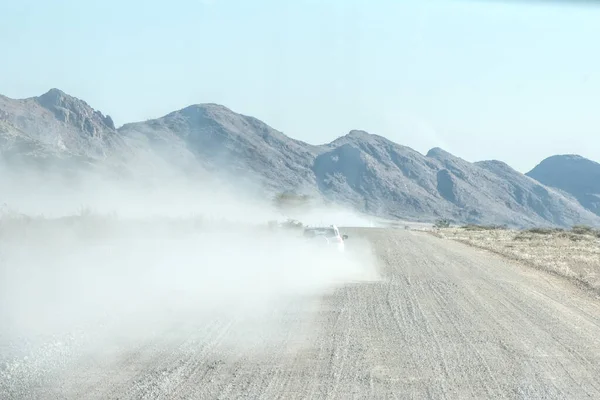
{"x": 445, "y": 321}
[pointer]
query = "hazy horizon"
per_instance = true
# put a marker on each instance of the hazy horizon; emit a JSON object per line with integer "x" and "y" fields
{"x": 482, "y": 80}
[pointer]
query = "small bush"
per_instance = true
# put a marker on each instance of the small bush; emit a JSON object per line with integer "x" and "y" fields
{"x": 289, "y": 201}
{"x": 475, "y": 227}
{"x": 522, "y": 236}
{"x": 582, "y": 230}
{"x": 543, "y": 231}
{"x": 442, "y": 223}
{"x": 571, "y": 236}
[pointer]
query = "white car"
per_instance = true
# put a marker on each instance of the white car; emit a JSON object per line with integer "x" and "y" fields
{"x": 326, "y": 235}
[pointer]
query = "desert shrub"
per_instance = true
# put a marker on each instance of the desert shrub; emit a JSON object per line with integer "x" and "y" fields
{"x": 530, "y": 233}
{"x": 442, "y": 223}
{"x": 475, "y": 227}
{"x": 543, "y": 231}
{"x": 522, "y": 236}
{"x": 289, "y": 201}
{"x": 582, "y": 230}
{"x": 571, "y": 236}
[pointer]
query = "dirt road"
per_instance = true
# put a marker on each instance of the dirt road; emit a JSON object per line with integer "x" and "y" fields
{"x": 445, "y": 322}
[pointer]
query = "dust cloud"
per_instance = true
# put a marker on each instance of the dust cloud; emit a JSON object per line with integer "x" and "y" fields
{"x": 91, "y": 266}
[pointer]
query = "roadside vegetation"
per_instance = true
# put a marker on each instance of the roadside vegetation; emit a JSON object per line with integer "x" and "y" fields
{"x": 89, "y": 226}
{"x": 290, "y": 202}
{"x": 571, "y": 253}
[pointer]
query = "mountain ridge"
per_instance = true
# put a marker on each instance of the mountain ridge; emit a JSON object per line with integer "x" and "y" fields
{"x": 573, "y": 174}
{"x": 366, "y": 171}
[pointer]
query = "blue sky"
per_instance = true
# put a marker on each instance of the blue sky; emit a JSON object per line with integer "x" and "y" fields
{"x": 509, "y": 80}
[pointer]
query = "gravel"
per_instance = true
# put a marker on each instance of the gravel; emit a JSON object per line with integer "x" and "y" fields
{"x": 444, "y": 321}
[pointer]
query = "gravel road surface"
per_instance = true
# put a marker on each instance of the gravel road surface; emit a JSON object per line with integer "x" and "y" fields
{"x": 445, "y": 322}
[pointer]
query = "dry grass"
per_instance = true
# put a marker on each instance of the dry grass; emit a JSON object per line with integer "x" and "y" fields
{"x": 573, "y": 254}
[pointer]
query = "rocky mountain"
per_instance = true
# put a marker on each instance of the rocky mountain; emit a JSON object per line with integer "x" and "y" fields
{"x": 573, "y": 174}
{"x": 366, "y": 171}
{"x": 61, "y": 122}
{"x": 382, "y": 177}
{"x": 221, "y": 140}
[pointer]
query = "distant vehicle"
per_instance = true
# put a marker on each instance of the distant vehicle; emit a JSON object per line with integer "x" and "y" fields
{"x": 327, "y": 235}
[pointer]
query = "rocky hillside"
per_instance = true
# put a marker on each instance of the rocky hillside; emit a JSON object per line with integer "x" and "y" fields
{"x": 382, "y": 177}
{"x": 359, "y": 169}
{"x": 221, "y": 140}
{"x": 61, "y": 122}
{"x": 573, "y": 174}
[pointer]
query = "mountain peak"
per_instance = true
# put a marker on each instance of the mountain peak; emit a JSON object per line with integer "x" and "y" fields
{"x": 53, "y": 96}
{"x": 568, "y": 161}
{"x": 357, "y": 133}
{"x": 56, "y": 97}
{"x": 55, "y": 91}
{"x": 574, "y": 174}
{"x": 438, "y": 152}
{"x": 354, "y": 136}
{"x": 206, "y": 106}
{"x": 72, "y": 110}
{"x": 565, "y": 157}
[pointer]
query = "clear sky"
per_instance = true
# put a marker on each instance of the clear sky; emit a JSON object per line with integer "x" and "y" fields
{"x": 510, "y": 80}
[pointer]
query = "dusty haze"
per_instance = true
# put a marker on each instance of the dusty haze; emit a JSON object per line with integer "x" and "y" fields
{"x": 91, "y": 264}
